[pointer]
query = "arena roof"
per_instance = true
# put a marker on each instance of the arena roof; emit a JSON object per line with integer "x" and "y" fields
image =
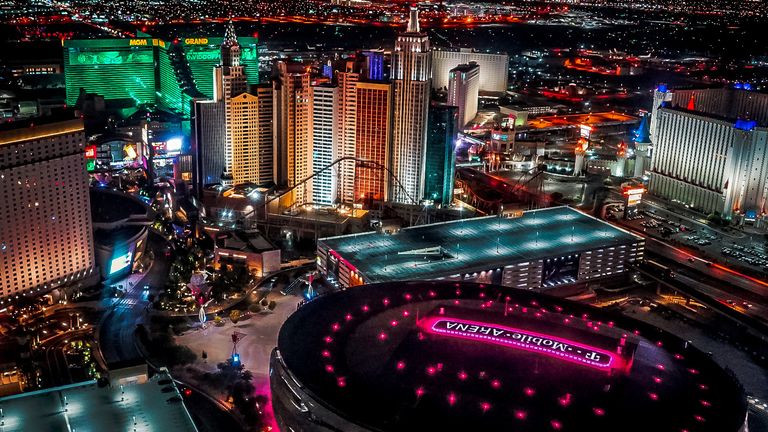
{"x": 448, "y": 356}
{"x": 86, "y": 407}
{"x": 476, "y": 244}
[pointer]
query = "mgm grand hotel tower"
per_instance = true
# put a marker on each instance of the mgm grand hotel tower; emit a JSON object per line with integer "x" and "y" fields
{"x": 150, "y": 71}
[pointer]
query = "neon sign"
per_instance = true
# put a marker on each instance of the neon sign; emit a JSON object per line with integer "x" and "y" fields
{"x": 522, "y": 339}
{"x": 196, "y": 41}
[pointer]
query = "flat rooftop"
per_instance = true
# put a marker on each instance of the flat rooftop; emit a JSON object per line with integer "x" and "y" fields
{"x": 153, "y": 406}
{"x": 477, "y": 244}
{"x": 572, "y": 120}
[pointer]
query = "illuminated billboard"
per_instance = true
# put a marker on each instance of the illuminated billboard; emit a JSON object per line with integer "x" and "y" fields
{"x": 525, "y": 340}
{"x": 121, "y": 262}
{"x": 633, "y": 195}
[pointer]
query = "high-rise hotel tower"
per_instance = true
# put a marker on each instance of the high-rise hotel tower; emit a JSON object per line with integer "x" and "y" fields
{"x": 411, "y": 70}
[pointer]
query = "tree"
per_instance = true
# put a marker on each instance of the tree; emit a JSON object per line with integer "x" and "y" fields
{"x": 234, "y": 316}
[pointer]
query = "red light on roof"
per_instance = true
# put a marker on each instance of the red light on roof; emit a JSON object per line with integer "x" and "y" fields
{"x": 699, "y": 418}
{"x": 598, "y": 411}
{"x": 705, "y": 403}
{"x": 400, "y": 365}
{"x": 565, "y": 400}
{"x": 328, "y": 339}
{"x": 382, "y": 336}
{"x": 653, "y": 396}
{"x": 496, "y": 384}
{"x": 452, "y": 399}
{"x": 462, "y": 375}
{"x": 556, "y": 425}
{"x": 406, "y": 313}
{"x": 393, "y": 323}
{"x": 385, "y": 301}
{"x": 678, "y": 356}
{"x": 408, "y": 296}
{"x": 348, "y": 317}
{"x": 326, "y": 353}
{"x": 432, "y": 293}
{"x": 660, "y": 344}
{"x": 335, "y": 326}
{"x": 657, "y": 380}
{"x": 341, "y": 382}
{"x": 529, "y": 391}
{"x": 485, "y": 406}
{"x": 693, "y": 371}
{"x": 520, "y": 415}
{"x": 431, "y": 371}
{"x": 660, "y": 366}
{"x": 329, "y": 368}
{"x": 420, "y": 392}
{"x": 366, "y": 308}
{"x": 703, "y": 387}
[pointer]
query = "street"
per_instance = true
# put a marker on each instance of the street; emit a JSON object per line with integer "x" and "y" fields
{"x": 118, "y": 325}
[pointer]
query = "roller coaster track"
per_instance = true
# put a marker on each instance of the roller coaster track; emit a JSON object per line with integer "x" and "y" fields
{"x": 363, "y": 162}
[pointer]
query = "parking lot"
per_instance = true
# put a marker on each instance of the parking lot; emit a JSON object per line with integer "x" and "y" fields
{"x": 735, "y": 249}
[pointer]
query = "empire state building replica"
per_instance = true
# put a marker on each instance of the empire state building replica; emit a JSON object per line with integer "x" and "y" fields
{"x": 411, "y": 72}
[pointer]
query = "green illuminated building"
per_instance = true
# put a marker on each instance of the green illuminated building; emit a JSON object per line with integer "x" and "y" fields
{"x": 114, "y": 68}
{"x": 150, "y": 71}
{"x": 440, "y": 166}
{"x": 202, "y": 54}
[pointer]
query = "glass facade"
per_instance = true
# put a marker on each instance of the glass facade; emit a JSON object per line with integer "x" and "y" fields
{"x": 150, "y": 71}
{"x": 114, "y": 68}
{"x": 441, "y": 160}
{"x": 202, "y": 54}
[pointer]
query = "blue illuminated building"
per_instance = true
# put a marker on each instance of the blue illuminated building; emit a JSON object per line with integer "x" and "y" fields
{"x": 375, "y": 65}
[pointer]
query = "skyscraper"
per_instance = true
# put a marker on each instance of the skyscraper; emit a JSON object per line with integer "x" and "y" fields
{"x": 292, "y": 127}
{"x": 347, "y": 81}
{"x": 725, "y": 128}
{"x": 209, "y": 142}
{"x": 463, "y": 90}
{"x": 46, "y": 237}
{"x": 373, "y": 134}
{"x": 250, "y": 125}
{"x": 411, "y": 69}
{"x": 441, "y": 154}
{"x": 233, "y": 132}
{"x": 325, "y": 119}
{"x": 494, "y": 68}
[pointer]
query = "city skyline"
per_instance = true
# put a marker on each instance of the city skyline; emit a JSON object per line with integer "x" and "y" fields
{"x": 348, "y": 215}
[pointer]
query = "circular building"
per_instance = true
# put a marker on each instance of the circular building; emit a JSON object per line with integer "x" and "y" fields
{"x": 120, "y": 229}
{"x": 445, "y": 356}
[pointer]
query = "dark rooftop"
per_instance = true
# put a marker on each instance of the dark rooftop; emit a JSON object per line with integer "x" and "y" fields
{"x": 445, "y": 356}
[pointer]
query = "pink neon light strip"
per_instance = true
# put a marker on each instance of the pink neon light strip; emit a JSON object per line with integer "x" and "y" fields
{"x": 522, "y": 339}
